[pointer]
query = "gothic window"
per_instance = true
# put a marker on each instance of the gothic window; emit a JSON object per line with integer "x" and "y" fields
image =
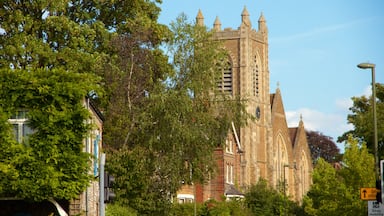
{"x": 224, "y": 82}
{"x": 281, "y": 164}
{"x": 255, "y": 77}
{"x": 304, "y": 172}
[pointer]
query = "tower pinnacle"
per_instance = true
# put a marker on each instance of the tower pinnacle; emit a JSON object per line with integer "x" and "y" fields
{"x": 245, "y": 18}
{"x": 200, "y": 18}
{"x": 217, "y": 24}
{"x": 262, "y": 24}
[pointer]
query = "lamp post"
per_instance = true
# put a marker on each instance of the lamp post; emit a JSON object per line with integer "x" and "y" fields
{"x": 372, "y": 67}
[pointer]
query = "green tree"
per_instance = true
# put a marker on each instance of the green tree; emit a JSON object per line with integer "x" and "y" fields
{"x": 51, "y": 162}
{"x": 48, "y": 34}
{"x": 336, "y": 191}
{"x": 261, "y": 199}
{"x": 172, "y": 121}
{"x": 362, "y": 120}
{"x": 69, "y": 37}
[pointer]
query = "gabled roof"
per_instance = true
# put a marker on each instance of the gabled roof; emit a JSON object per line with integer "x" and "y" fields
{"x": 271, "y": 98}
{"x": 293, "y": 134}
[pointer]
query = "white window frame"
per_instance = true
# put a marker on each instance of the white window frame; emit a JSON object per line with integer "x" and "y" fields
{"x": 21, "y": 135}
{"x": 229, "y": 173}
{"x": 228, "y": 146}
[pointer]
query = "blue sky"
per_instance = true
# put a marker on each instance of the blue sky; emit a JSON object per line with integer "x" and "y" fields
{"x": 314, "y": 47}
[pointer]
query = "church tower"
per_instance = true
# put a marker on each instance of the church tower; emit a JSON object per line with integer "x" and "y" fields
{"x": 248, "y": 57}
{"x": 266, "y": 147}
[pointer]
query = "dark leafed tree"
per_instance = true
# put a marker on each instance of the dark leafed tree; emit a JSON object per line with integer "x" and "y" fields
{"x": 322, "y": 146}
{"x": 362, "y": 120}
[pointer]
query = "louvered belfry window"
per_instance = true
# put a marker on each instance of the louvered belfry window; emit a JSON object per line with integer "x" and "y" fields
{"x": 225, "y": 81}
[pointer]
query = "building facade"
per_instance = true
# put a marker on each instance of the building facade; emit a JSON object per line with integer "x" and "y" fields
{"x": 266, "y": 148}
{"x": 88, "y": 202}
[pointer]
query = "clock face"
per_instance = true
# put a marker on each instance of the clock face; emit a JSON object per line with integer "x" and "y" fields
{"x": 258, "y": 112}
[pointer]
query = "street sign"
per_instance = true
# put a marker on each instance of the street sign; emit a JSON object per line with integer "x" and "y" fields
{"x": 375, "y": 208}
{"x": 382, "y": 179}
{"x": 368, "y": 193}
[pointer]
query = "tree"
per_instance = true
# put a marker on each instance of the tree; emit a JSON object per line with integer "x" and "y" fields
{"x": 68, "y": 37}
{"x": 322, "y": 146}
{"x": 261, "y": 199}
{"x": 172, "y": 121}
{"x": 362, "y": 120}
{"x": 335, "y": 191}
{"x": 51, "y": 162}
{"x": 50, "y": 34}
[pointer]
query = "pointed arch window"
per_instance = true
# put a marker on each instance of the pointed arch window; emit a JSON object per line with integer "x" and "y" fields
{"x": 304, "y": 172}
{"x": 255, "y": 76}
{"x": 224, "y": 82}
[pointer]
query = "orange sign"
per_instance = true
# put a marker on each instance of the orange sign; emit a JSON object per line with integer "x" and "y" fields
{"x": 368, "y": 193}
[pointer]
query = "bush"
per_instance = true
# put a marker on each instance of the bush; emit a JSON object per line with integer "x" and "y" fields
{"x": 118, "y": 210}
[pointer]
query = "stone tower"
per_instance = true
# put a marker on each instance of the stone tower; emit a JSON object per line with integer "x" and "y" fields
{"x": 264, "y": 148}
{"x": 248, "y": 50}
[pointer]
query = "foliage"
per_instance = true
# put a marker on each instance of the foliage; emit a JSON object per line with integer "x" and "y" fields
{"x": 211, "y": 208}
{"x": 118, "y": 210}
{"x": 261, "y": 199}
{"x": 337, "y": 191}
{"x": 52, "y": 162}
{"x": 362, "y": 120}
{"x": 225, "y": 208}
{"x": 48, "y": 34}
{"x": 186, "y": 209}
{"x": 66, "y": 37}
{"x": 322, "y": 146}
{"x": 171, "y": 123}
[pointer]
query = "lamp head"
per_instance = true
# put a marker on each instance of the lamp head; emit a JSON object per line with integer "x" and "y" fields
{"x": 366, "y": 65}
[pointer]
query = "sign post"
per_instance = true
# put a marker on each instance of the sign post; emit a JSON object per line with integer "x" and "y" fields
{"x": 382, "y": 178}
{"x": 368, "y": 193}
{"x": 375, "y": 208}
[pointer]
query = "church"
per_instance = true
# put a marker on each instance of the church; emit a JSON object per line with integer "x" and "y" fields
{"x": 266, "y": 148}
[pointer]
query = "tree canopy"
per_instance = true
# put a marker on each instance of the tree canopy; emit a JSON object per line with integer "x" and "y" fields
{"x": 322, "y": 146}
{"x": 336, "y": 189}
{"x": 173, "y": 120}
{"x": 164, "y": 116}
{"x": 362, "y": 120}
{"x": 51, "y": 162}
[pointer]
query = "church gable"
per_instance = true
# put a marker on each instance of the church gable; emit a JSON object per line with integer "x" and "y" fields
{"x": 277, "y": 106}
{"x": 302, "y": 159}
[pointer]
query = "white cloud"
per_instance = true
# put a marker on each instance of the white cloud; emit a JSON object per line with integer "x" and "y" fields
{"x": 329, "y": 124}
{"x": 367, "y": 91}
{"x": 344, "y": 104}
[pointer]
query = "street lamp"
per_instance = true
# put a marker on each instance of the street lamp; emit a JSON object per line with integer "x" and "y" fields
{"x": 372, "y": 67}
